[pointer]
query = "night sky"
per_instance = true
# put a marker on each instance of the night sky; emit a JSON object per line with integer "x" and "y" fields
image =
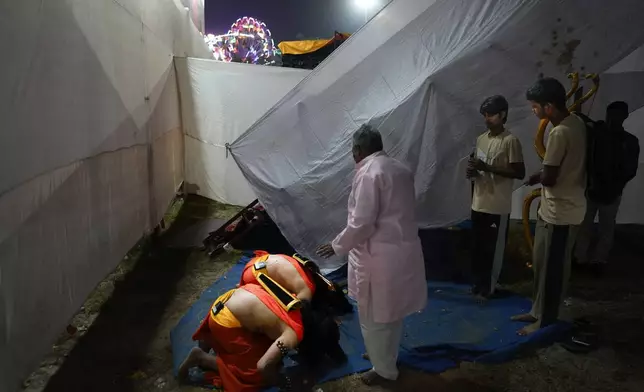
{"x": 290, "y": 20}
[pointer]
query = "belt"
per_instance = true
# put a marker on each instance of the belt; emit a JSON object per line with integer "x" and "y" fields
{"x": 308, "y": 264}
{"x": 287, "y": 300}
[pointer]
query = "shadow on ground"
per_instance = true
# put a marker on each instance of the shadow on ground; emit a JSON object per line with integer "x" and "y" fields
{"x": 116, "y": 346}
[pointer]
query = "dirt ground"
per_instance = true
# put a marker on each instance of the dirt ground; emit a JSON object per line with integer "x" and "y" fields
{"x": 121, "y": 341}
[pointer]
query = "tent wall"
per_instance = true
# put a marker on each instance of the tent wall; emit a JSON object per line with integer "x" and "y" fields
{"x": 91, "y": 149}
{"x": 419, "y": 71}
{"x": 219, "y": 102}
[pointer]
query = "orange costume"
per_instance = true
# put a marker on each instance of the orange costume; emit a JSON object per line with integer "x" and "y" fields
{"x": 249, "y": 277}
{"x": 238, "y": 350}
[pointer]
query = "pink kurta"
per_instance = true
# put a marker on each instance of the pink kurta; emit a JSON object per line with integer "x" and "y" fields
{"x": 386, "y": 267}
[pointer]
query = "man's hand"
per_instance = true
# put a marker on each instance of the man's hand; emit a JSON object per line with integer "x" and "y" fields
{"x": 325, "y": 251}
{"x": 477, "y": 164}
{"x": 271, "y": 372}
{"x": 472, "y": 173}
{"x": 533, "y": 179}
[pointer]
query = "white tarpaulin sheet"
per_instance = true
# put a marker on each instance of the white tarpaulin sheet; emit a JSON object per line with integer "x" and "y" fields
{"x": 91, "y": 151}
{"x": 219, "y": 102}
{"x": 419, "y": 71}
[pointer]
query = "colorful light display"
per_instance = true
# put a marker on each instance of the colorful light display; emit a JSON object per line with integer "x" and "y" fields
{"x": 247, "y": 41}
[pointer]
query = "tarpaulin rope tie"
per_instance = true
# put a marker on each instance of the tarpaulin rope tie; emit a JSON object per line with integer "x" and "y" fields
{"x": 227, "y": 145}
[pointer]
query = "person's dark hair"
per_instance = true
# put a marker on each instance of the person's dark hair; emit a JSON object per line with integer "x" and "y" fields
{"x": 367, "y": 139}
{"x": 548, "y": 91}
{"x": 332, "y": 301}
{"x": 321, "y": 337}
{"x": 321, "y": 332}
{"x": 618, "y": 106}
{"x": 494, "y": 105}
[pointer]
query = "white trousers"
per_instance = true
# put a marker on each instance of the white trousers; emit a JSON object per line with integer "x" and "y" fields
{"x": 382, "y": 342}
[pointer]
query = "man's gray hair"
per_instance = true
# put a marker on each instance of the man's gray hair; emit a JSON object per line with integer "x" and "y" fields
{"x": 367, "y": 139}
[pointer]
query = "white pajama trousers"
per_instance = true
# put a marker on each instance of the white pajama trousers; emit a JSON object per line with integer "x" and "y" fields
{"x": 382, "y": 341}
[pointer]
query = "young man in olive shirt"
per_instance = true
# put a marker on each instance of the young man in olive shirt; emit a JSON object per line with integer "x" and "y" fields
{"x": 563, "y": 202}
{"x": 497, "y": 163}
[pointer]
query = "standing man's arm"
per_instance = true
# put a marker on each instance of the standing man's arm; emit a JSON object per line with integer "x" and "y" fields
{"x": 361, "y": 224}
{"x": 515, "y": 157}
{"x": 471, "y": 172}
{"x": 633, "y": 160}
{"x": 555, "y": 152}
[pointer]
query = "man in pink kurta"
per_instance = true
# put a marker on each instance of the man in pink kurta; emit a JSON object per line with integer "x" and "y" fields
{"x": 386, "y": 267}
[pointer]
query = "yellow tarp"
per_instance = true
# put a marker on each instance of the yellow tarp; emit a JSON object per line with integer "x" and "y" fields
{"x": 306, "y": 46}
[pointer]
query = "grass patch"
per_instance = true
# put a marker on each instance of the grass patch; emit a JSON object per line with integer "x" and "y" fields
{"x": 197, "y": 208}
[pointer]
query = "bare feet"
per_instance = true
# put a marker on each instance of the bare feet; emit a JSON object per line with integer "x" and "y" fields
{"x": 528, "y": 329}
{"x": 193, "y": 360}
{"x": 481, "y": 299}
{"x": 524, "y": 318}
{"x": 480, "y": 295}
{"x": 372, "y": 378}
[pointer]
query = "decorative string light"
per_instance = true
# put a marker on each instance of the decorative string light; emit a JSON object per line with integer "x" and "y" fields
{"x": 247, "y": 41}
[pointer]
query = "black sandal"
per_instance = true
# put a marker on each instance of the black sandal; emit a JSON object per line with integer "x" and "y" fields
{"x": 583, "y": 338}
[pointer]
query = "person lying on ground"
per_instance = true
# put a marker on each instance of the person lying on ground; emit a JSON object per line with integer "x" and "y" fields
{"x": 300, "y": 277}
{"x": 250, "y": 333}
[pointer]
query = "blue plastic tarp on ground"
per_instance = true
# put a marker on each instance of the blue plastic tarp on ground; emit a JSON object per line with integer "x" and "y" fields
{"x": 453, "y": 327}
